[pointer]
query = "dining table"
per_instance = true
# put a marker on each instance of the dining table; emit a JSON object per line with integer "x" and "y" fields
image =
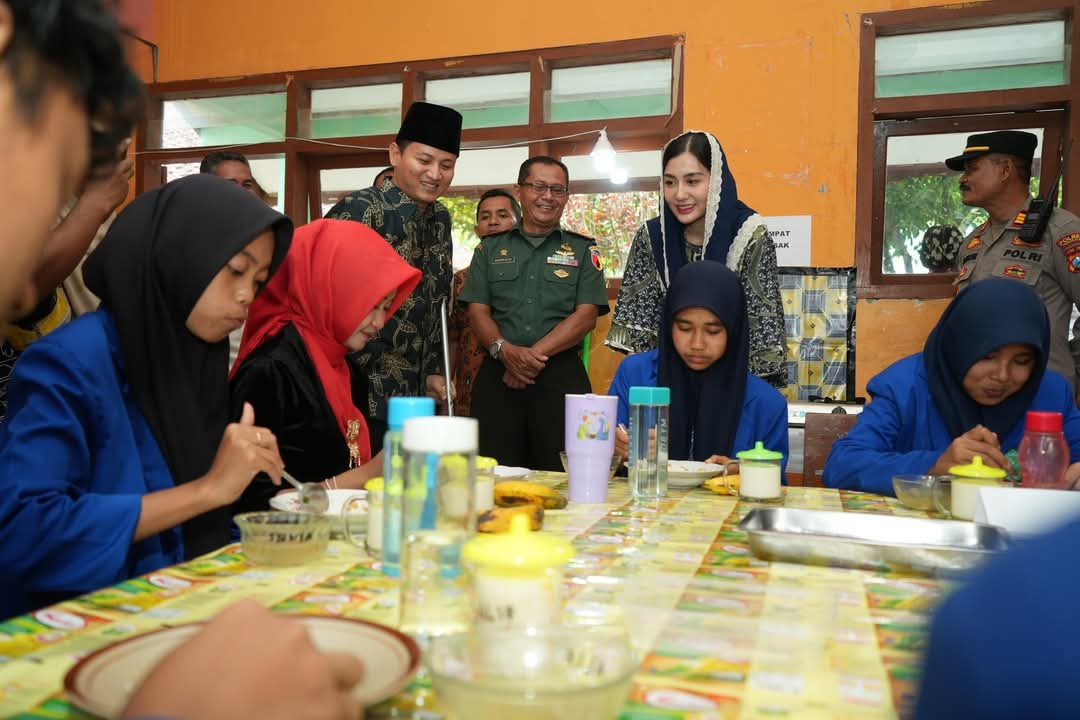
{"x": 720, "y": 634}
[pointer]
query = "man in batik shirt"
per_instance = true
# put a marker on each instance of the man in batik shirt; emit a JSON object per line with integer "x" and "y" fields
{"x": 406, "y": 357}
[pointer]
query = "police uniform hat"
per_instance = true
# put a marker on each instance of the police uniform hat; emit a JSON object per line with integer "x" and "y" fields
{"x": 1006, "y": 142}
{"x": 434, "y": 125}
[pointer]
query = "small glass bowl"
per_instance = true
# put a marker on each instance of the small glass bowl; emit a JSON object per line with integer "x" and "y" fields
{"x": 564, "y": 672}
{"x": 917, "y": 491}
{"x": 283, "y": 538}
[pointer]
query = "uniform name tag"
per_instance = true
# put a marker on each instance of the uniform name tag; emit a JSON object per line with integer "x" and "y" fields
{"x": 502, "y": 260}
{"x": 562, "y": 260}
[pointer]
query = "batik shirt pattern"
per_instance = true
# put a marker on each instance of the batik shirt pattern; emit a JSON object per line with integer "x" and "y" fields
{"x": 397, "y": 361}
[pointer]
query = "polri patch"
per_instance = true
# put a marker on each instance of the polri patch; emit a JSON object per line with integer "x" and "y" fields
{"x": 597, "y": 261}
{"x": 1068, "y": 241}
{"x": 1072, "y": 258}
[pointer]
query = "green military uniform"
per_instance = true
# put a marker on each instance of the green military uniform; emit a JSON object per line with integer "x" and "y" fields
{"x": 1050, "y": 265}
{"x": 531, "y": 284}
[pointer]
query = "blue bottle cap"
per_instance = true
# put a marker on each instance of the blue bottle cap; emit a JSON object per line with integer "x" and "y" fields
{"x": 401, "y": 409}
{"x": 640, "y": 395}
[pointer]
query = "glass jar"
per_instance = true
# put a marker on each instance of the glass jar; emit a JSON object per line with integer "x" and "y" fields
{"x": 966, "y": 481}
{"x": 760, "y": 474}
{"x": 517, "y": 576}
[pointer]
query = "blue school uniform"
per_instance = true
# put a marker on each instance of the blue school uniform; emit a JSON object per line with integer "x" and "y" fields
{"x": 764, "y": 409}
{"x": 76, "y": 457}
{"x": 902, "y": 431}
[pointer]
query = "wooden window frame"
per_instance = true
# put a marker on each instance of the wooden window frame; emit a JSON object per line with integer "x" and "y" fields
{"x": 306, "y": 157}
{"x": 881, "y": 117}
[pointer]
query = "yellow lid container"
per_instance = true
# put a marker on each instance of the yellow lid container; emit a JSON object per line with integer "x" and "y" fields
{"x": 517, "y": 552}
{"x": 977, "y": 472}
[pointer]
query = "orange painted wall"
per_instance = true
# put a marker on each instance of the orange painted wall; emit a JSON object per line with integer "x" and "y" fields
{"x": 775, "y": 80}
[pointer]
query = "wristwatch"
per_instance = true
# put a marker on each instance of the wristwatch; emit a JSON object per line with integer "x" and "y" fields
{"x": 495, "y": 347}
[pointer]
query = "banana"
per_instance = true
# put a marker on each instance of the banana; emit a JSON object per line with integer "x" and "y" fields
{"x": 518, "y": 492}
{"x": 497, "y": 519}
{"x": 719, "y": 484}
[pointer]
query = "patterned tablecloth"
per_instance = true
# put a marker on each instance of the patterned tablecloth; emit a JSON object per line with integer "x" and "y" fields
{"x": 722, "y": 635}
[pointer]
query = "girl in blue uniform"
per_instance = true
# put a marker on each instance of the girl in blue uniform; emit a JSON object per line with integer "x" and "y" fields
{"x": 982, "y": 368}
{"x": 717, "y": 407}
{"x": 117, "y": 457}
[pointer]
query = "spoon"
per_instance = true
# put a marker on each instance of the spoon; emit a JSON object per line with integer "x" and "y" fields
{"x": 313, "y": 497}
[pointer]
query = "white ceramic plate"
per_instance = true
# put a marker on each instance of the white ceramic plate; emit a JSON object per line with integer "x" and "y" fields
{"x": 290, "y": 502}
{"x": 689, "y": 473}
{"x": 507, "y": 472}
{"x": 102, "y": 682}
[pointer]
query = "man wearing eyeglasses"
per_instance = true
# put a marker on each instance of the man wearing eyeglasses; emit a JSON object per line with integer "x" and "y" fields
{"x": 534, "y": 293}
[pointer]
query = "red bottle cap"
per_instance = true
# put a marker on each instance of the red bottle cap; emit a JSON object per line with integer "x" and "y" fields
{"x": 1046, "y": 422}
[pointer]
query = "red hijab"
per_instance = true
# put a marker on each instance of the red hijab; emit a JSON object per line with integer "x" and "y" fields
{"x": 336, "y": 272}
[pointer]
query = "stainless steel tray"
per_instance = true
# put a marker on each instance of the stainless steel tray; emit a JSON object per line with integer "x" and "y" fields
{"x": 870, "y": 541}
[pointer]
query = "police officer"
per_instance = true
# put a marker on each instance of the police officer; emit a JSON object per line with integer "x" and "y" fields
{"x": 534, "y": 293}
{"x": 996, "y": 175}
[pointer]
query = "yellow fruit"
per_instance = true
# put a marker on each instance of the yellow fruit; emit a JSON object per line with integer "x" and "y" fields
{"x": 720, "y": 484}
{"x": 519, "y": 492}
{"x": 497, "y": 519}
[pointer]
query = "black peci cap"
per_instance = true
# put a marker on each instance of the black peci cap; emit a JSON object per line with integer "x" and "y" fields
{"x": 1007, "y": 142}
{"x": 434, "y": 125}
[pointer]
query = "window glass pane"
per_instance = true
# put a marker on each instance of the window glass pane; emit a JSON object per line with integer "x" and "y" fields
{"x": 487, "y": 101}
{"x": 338, "y": 183}
{"x": 483, "y": 169}
{"x": 269, "y": 174}
{"x": 361, "y": 110}
{"x": 920, "y": 192}
{"x": 609, "y": 91}
{"x": 231, "y": 120}
{"x": 990, "y": 58}
{"x": 640, "y": 164}
{"x": 612, "y": 219}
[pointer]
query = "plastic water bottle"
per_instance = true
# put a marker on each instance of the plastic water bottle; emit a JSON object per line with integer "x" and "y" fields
{"x": 649, "y": 407}
{"x": 399, "y": 409}
{"x": 1043, "y": 454}
{"x": 439, "y": 518}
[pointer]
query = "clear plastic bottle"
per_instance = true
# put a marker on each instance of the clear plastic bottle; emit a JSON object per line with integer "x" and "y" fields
{"x": 1043, "y": 453}
{"x": 399, "y": 409}
{"x": 439, "y": 516}
{"x": 649, "y": 408}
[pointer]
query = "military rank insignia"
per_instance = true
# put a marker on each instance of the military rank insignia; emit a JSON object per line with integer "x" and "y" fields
{"x": 974, "y": 243}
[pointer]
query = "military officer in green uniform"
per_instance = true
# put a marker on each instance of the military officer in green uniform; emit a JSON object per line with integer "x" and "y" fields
{"x": 996, "y": 175}
{"x": 534, "y": 293}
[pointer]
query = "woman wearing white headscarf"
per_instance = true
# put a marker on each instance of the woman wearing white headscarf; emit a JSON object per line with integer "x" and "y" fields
{"x": 701, "y": 218}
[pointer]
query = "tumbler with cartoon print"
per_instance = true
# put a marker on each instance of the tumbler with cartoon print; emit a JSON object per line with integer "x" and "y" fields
{"x": 590, "y": 442}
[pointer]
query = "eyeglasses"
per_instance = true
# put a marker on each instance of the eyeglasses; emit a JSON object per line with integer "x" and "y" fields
{"x": 541, "y": 188}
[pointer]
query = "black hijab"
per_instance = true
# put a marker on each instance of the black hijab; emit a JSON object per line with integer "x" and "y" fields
{"x": 705, "y": 404}
{"x": 158, "y": 257}
{"x": 982, "y": 318}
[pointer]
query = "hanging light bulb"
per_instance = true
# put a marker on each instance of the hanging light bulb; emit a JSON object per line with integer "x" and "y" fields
{"x": 619, "y": 175}
{"x": 603, "y": 154}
